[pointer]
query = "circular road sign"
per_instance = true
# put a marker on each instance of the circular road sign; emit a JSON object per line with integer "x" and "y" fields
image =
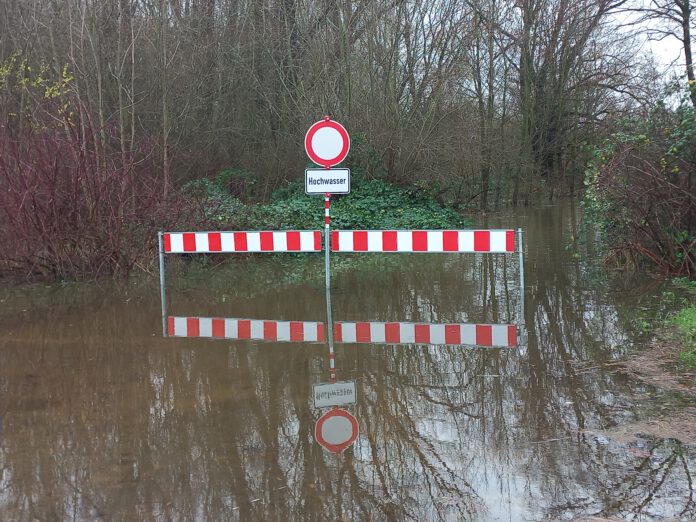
{"x": 336, "y": 430}
{"x": 327, "y": 143}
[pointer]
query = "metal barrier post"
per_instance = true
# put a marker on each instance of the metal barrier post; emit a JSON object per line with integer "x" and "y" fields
{"x": 163, "y": 291}
{"x": 520, "y": 246}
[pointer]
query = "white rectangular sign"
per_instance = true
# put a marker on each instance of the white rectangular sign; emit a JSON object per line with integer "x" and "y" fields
{"x": 321, "y": 181}
{"x": 334, "y": 394}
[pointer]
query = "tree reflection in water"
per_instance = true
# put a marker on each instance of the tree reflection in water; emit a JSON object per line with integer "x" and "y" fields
{"x": 104, "y": 419}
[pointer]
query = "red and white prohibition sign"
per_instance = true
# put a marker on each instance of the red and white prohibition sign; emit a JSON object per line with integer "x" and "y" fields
{"x": 327, "y": 143}
{"x": 336, "y": 430}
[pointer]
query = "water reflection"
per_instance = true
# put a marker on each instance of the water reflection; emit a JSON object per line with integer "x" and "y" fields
{"x": 256, "y": 329}
{"x": 392, "y": 333}
{"x": 104, "y": 419}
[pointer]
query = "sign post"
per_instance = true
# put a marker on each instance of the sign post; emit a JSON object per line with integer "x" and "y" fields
{"x": 327, "y": 273}
{"x": 327, "y": 144}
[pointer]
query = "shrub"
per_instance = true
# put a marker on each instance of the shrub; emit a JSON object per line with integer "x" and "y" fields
{"x": 70, "y": 210}
{"x": 74, "y": 204}
{"x": 685, "y": 320}
{"x": 371, "y": 204}
{"x": 642, "y": 186}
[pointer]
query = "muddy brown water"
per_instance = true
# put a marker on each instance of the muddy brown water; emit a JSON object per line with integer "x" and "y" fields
{"x": 102, "y": 418}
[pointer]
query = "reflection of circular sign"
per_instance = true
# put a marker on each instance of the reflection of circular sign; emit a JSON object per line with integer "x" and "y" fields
{"x": 327, "y": 143}
{"x": 336, "y": 430}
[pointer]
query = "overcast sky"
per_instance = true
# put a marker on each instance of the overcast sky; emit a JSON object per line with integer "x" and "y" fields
{"x": 667, "y": 51}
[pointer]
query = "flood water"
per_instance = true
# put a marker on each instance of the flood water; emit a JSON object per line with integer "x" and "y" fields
{"x": 103, "y": 418}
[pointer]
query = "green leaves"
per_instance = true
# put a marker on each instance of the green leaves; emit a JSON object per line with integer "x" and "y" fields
{"x": 685, "y": 321}
{"x": 371, "y": 204}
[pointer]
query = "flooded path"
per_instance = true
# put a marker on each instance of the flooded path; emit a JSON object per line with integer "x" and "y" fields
{"x": 101, "y": 418}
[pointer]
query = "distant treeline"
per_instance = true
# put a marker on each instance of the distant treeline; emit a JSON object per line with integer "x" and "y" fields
{"x": 490, "y": 101}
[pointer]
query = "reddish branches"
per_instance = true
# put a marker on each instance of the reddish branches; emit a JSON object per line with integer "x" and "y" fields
{"x": 73, "y": 207}
{"x": 652, "y": 199}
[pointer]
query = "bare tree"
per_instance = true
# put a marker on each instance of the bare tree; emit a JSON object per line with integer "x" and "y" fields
{"x": 670, "y": 18}
{"x": 460, "y": 96}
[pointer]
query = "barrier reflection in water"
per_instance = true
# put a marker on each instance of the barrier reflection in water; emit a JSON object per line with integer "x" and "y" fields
{"x": 254, "y": 329}
{"x": 336, "y": 430}
{"x": 481, "y": 335}
{"x": 484, "y": 335}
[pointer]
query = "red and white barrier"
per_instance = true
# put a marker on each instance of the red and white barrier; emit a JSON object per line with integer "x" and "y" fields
{"x": 242, "y": 242}
{"x": 474, "y": 241}
{"x": 494, "y": 335}
{"x": 222, "y": 328}
{"x": 479, "y": 241}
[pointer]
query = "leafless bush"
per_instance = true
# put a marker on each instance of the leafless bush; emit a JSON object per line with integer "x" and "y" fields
{"x": 652, "y": 206}
{"x": 72, "y": 207}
